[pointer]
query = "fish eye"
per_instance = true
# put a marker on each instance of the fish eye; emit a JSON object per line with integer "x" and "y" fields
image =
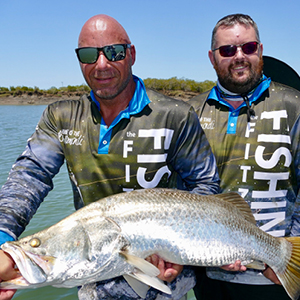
{"x": 35, "y": 242}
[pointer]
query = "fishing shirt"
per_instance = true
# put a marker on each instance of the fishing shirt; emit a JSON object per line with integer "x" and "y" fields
{"x": 259, "y": 159}
{"x": 150, "y": 143}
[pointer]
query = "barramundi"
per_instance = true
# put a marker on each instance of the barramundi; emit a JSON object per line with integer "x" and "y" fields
{"x": 113, "y": 236}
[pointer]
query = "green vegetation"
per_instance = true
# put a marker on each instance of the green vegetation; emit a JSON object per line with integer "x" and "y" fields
{"x": 20, "y": 90}
{"x": 173, "y": 84}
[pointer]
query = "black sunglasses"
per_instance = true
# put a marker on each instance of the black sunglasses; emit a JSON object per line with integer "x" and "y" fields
{"x": 230, "y": 50}
{"x": 89, "y": 55}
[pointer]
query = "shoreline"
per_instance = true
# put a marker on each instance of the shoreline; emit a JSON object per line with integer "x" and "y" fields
{"x": 26, "y": 99}
{"x": 33, "y": 100}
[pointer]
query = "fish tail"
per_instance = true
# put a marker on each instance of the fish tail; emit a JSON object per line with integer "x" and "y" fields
{"x": 290, "y": 278}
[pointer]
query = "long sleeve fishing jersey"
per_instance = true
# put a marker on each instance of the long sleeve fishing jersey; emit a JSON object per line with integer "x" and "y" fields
{"x": 150, "y": 142}
{"x": 259, "y": 159}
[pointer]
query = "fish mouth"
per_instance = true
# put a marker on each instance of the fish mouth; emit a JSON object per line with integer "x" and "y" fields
{"x": 33, "y": 268}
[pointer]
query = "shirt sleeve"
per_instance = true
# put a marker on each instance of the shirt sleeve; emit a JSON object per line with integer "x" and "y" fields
{"x": 30, "y": 178}
{"x": 194, "y": 160}
{"x": 4, "y": 237}
{"x": 295, "y": 137}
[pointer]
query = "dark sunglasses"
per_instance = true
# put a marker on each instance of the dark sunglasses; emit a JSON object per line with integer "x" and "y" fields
{"x": 230, "y": 50}
{"x": 89, "y": 55}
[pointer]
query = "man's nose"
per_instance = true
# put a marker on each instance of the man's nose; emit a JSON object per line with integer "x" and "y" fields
{"x": 239, "y": 52}
{"x": 101, "y": 61}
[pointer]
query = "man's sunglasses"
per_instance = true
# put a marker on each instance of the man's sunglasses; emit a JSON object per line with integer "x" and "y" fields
{"x": 89, "y": 55}
{"x": 230, "y": 50}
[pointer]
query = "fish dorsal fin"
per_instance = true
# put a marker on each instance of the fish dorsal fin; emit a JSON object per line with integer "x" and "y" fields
{"x": 240, "y": 203}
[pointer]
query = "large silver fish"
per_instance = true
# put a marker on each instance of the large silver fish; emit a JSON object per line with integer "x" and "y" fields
{"x": 112, "y": 237}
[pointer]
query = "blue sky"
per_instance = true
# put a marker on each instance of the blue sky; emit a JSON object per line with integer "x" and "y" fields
{"x": 172, "y": 38}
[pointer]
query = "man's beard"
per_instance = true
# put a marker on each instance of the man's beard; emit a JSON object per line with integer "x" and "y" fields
{"x": 239, "y": 87}
{"x": 112, "y": 92}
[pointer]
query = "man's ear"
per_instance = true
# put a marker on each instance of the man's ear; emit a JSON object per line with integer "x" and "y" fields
{"x": 261, "y": 49}
{"x": 133, "y": 54}
{"x": 211, "y": 57}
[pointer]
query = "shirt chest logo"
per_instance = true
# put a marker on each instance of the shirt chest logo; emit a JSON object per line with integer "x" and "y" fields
{"x": 207, "y": 123}
{"x": 70, "y": 137}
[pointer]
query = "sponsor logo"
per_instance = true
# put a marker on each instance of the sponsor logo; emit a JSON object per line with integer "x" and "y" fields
{"x": 280, "y": 156}
{"x": 70, "y": 137}
{"x": 207, "y": 123}
{"x": 161, "y": 142}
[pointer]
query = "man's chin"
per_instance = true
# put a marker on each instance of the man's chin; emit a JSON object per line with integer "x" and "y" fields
{"x": 240, "y": 77}
{"x": 105, "y": 94}
{"x": 237, "y": 86}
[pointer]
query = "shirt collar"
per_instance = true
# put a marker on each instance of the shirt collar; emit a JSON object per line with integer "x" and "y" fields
{"x": 220, "y": 94}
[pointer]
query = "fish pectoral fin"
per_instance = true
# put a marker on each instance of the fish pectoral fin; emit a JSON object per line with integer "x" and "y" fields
{"x": 144, "y": 276}
{"x": 141, "y": 264}
{"x": 139, "y": 287}
{"x": 257, "y": 265}
{"x": 137, "y": 278}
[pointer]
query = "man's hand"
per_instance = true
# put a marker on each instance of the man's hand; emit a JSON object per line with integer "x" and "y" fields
{"x": 168, "y": 271}
{"x": 7, "y": 272}
{"x": 269, "y": 273}
{"x": 7, "y": 294}
{"x": 237, "y": 266}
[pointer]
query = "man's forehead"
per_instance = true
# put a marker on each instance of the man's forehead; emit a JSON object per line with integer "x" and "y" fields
{"x": 242, "y": 27}
{"x": 102, "y": 31}
{"x": 237, "y": 31}
{"x": 100, "y": 25}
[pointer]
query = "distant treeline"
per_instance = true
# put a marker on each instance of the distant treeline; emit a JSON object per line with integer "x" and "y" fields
{"x": 176, "y": 84}
{"x": 20, "y": 90}
{"x": 172, "y": 84}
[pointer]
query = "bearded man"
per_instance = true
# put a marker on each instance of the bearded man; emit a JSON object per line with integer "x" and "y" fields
{"x": 253, "y": 128}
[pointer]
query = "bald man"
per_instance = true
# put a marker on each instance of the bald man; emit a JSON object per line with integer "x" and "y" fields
{"x": 102, "y": 137}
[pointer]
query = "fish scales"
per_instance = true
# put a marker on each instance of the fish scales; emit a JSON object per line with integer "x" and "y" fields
{"x": 112, "y": 236}
{"x": 191, "y": 229}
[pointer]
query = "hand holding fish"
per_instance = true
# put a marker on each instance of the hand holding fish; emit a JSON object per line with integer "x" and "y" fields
{"x": 270, "y": 274}
{"x": 6, "y": 294}
{"x": 168, "y": 271}
{"x": 237, "y": 266}
{"x": 7, "y": 272}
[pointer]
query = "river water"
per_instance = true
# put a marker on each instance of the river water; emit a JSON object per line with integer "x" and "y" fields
{"x": 17, "y": 123}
